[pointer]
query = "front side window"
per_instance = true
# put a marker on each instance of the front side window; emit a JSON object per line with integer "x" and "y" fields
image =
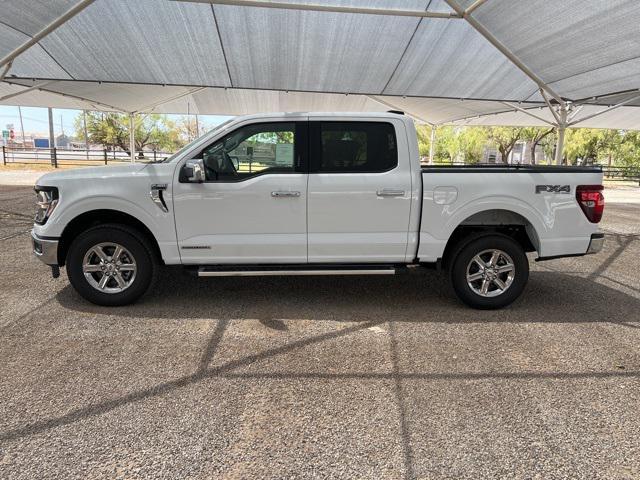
{"x": 358, "y": 147}
{"x": 251, "y": 150}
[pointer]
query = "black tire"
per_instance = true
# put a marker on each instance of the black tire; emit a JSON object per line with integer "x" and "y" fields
{"x": 136, "y": 248}
{"x": 463, "y": 262}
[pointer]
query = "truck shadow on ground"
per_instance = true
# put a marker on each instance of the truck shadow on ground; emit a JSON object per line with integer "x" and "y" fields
{"x": 550, "y": 297}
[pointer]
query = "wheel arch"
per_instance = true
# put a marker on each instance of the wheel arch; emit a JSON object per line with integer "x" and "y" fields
{"x": 492, "y": 221}
{"x": 93, "y": 218}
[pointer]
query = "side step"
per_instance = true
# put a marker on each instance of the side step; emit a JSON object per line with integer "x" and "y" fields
{"x": 281, "y": 270}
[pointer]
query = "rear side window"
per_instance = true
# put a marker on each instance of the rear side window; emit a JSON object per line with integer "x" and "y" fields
{"x": 353, "y": 147}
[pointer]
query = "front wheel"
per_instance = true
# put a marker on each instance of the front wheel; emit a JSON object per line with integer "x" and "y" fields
{"x": 489, "y": 272}
{"x": 110, "y": 265}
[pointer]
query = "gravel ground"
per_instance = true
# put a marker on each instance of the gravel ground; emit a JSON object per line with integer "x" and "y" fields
{"x": 351, "y": 377}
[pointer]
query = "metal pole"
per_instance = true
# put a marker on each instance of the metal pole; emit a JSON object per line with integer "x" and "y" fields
{"x": 72, "y": 12}
{"x": 132, "y": 137}
{"x": 52, "y": 138}
{"x": 432, "y": 145}
{"x": 24, "y": 143}
{"x": 330, "y": 8}
{"x": 504, "y": 50}
{"x": 562, "y": 126}
{"x": 197, "y": 127}
{"x": 5, "y": 70}
{"x": 86, "y": 136}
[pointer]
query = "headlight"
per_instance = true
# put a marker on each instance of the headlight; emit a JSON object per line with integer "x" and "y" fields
{"x": 46, "y": 203}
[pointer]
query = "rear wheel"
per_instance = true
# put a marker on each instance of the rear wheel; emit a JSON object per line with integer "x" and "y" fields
{"x": 489, "y": 272}
{"x": 110, "y": 265}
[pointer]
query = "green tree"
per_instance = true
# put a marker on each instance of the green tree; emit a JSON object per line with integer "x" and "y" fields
{"x": 628, "y": 151}
{"x": 472, "y": 141}
{"x": 152, "y": 131}
{"x": 505, "y": 138}
{"x": 534, "y": 135}
{"x": 424, "y": 139}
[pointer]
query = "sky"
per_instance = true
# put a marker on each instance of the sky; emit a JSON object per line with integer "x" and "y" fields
{"x": 36, "y": 120}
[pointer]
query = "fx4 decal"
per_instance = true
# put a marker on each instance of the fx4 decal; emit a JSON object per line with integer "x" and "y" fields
{"x": 553, "y": 189}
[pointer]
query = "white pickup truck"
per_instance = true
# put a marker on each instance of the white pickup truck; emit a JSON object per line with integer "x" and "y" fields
{"x": 313, "y": 194}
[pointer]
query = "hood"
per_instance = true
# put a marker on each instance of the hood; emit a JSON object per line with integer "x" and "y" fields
{"x": 93, "y": 173}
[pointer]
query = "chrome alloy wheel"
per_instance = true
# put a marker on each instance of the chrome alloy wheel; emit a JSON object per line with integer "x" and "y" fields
{"x": 109, "y": 267}
{"x": 490, "y": 273}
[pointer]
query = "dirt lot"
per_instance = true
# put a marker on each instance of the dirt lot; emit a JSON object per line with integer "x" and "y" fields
{"x": 322, "y": 377}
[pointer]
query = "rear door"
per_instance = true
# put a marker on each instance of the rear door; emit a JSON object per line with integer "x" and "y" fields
{"x": 359, "y": 192}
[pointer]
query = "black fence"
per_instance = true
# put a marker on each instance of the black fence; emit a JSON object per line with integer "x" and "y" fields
{"x": 631, "y": 174}
{"x": 62, "y": 156}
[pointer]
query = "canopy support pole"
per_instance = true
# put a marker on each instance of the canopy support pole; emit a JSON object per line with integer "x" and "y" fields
{"x": 72, "y": 12}
{"x": 471, "y": 8}
{"x": 613, "y": 107}
{"x": 132, "y": 137}
{"x": 562, "y": 126}
{"x": 328, "y": 8}
{"x": 93, "y": 103}
{"x": 152, "y": 106}
{"x": 395, "y": 107}
{"x": 526, "y": 112}
{"x": 432, "y": 144}
{"x": 504, "y": 50}
{"x": 26, "y": 90}
{"x": 5, "y": 70}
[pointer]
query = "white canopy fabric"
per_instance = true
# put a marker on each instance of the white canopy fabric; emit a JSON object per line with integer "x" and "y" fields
{"x": 441, "y": 61}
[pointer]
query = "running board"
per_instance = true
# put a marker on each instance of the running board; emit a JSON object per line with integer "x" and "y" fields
{"x": 266, "y": 271}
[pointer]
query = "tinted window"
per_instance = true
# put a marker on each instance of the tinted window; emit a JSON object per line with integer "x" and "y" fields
{"x": 353, "y": 147}
{"x": 252, "y": 150}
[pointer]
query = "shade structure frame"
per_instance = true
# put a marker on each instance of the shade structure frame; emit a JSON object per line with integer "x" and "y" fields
{"x": 479, "y": 15}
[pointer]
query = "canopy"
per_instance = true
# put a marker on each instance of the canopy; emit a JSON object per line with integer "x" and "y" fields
{"x": 441, "y": 61}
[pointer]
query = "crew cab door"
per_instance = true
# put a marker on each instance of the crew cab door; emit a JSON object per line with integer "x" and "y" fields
{"x": 359, "y": 191}
{"x": 252, "y": 208}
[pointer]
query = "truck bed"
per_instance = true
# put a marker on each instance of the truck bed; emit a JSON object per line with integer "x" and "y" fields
{"x": 542, "y": 199}
{"x": 497, "y": 168}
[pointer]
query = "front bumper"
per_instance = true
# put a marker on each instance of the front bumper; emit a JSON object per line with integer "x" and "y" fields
{"x": 46, "y": 249}
{"x": 596, "y": 243}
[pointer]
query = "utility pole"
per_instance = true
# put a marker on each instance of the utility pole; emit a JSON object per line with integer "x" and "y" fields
{"x": 24, "y": 143}
{"x": 86, "y": 137}
{"x": 132, "y": 137}
{"x": 197, "y": 127}
{"x": 432, "y": 144}
{"x": 52, "y": 139}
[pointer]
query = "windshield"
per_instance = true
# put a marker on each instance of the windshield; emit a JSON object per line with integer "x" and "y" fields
{"x": 193, "y": 142}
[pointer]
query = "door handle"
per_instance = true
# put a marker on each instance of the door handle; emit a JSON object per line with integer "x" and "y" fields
{"x": 278, "y": 194}
{"x": 390, "y": 192}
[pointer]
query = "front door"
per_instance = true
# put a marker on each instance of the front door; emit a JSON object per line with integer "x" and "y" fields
{"x": 359, "y": 192}
{"x": 253, "y": 206}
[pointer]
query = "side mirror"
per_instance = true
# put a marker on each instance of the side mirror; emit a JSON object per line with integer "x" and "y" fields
{"x": 192, "y": 171}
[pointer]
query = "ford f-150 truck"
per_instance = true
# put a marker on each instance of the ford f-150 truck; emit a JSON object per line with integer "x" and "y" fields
{"x": 313, "y": 194}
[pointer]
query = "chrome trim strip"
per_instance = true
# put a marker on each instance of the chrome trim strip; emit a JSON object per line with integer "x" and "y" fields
{"x": 157, "y": 197}
{"x": 270, "y": 273}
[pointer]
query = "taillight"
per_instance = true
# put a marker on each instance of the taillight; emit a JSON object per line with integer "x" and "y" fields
{"x": 591, "y": 201}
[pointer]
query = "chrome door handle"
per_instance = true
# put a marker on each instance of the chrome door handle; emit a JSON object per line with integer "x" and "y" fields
{"x": 279, "y": 194}
{"x": 390, "y": 192}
